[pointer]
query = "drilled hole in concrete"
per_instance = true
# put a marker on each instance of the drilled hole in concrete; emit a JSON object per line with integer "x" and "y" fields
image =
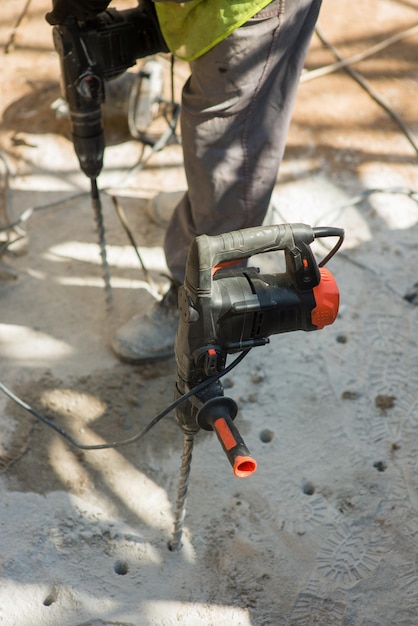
{"x": 50, "y": 599}
{"x": 380, "y": 466}
{"x": 266, "y": 435}
{"x": 174, "y": 547}
{"x": 342, "y": 338}
{"x": 308, "y": 488}
{"x": 121, "y": 568}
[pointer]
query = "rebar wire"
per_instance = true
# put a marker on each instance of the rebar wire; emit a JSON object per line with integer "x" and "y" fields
{"x": 122, "y": 217}
{"x": 356, "y": 58}
{"x": 27, "y": 213}
{"x": 161, "y": 143}
{"x": 183, "y": 487}
{"x": 370, "y": 91}
{"x": 13, "y": 34}
{"x": 4, "y": 189}
{"x": 12, "y": 232}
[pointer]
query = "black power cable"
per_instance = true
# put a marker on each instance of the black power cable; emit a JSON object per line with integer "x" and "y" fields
{"x": 142, "y": 433}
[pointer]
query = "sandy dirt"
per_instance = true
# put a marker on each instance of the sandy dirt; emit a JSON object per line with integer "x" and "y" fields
{"x": 325, "y": 531}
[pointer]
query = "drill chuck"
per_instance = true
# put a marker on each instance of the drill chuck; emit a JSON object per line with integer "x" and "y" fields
{"x": 88, "y": 140}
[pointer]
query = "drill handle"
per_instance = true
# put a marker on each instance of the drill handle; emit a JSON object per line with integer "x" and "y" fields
{"x": 208, "y": 252}
{"x": 217, "y": 414}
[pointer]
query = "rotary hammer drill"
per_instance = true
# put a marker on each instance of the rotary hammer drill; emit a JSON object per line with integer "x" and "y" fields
{"x": 98, "y": 47}
{"x": 226, "y": 309}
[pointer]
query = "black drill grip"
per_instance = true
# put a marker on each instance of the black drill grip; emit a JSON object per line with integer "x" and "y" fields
{"x": 217, "y": 414}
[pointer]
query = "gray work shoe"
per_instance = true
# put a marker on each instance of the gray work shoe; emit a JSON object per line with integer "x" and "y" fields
{"x": 151, "y": 336}
{"x": 161, "y": 207}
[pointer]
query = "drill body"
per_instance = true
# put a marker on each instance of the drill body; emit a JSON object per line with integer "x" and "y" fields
{"x": 226, "y": 309}
{"x": 92, "y": 52}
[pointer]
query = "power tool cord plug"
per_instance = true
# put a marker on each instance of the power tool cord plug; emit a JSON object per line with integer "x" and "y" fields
{"x": 124, "y": 442}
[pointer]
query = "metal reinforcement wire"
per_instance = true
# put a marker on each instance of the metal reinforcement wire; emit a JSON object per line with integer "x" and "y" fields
{"x": 356, "y": 58}
{"x": 10, "y": 42}
{"x": 369, "y": 90}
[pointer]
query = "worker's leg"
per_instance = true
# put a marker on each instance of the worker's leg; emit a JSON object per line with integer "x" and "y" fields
{"x": 236, "y": 111}
{"x": 235, "y": 116}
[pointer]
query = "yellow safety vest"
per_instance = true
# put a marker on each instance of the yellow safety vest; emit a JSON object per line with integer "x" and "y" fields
{"x": 192, "y": 28}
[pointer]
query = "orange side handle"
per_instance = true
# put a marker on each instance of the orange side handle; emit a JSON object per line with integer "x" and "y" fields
{"x": 217, "y": 414}
{"x": 243, "y": 465}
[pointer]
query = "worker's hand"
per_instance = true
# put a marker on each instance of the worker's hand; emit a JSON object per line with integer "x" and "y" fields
{"x": 80, "y": 9}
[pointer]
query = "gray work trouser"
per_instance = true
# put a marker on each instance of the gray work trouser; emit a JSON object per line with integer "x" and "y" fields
{"x": 236, "y": 110}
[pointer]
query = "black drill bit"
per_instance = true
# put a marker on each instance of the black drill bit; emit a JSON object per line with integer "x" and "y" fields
{"x": 97, "y": 207}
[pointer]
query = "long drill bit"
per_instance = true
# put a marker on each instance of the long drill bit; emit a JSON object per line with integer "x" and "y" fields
{"x": 183, "y": 485}
{"x": 97, "y": 208}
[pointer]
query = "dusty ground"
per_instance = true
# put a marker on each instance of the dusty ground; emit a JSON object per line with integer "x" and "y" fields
{"x": 325, "y": 532}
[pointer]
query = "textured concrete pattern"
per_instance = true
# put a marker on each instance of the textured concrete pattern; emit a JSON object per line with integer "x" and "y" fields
{"x": 325, "y": 531}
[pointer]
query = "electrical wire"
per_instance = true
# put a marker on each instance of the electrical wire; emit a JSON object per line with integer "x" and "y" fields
{"x": 27, "y": 213}
{"x": 12, "y": 37}
{"x": 334, "y": 214}
{"x": 124, "y": 442}
{"x": 156, "y": 147}
{"x": 356, "y": 58}
{"x": 123, "y": 220}
{"x": 5, "y": 183}
{"x": 410, "y": 193}
{"x": 370, "y": 90}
